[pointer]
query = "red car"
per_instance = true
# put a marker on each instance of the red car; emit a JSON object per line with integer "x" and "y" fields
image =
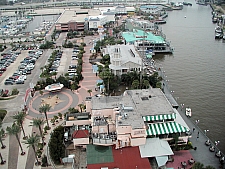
{"x": 3, "y": 69}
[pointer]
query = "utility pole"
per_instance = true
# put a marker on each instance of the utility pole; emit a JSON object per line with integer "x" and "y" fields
{"x": 143, "y": 54}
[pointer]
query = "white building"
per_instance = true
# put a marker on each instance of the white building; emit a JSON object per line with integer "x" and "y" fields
{"x": 96, "y": 21}
{"x": 121, "y": 10}
{"x": 110, "y": 13}
{"x": 123, "y": 58}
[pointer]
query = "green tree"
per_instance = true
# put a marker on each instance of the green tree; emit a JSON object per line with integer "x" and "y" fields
{"x": 209, "y": 167}
{"x": 146, "y": 84}
{"x": 4, "y": 40}
{"x": 135, "y": 84}
{"x": 32, "y": 141}
{"x": 89, "y": 91}
{"x": 56, "y": 146}
{"x": 106, "y": 75}
{"x": 15, "y": 130}
{"x": 198, "y": 165}
{"x": 19, "y": 118}
{"x": 44, "y": 109}
{"x": 39, "y": 122}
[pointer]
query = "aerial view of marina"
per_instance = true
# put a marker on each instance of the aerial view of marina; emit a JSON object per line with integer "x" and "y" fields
{"x": 112, "y": 84}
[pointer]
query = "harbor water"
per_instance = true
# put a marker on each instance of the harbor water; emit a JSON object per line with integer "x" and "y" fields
{"x": 195, "y": 71}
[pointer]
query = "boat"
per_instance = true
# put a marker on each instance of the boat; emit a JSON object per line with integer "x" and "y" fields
{"x": 201, "y": 2}
{"x": 218, "y": 35}
{"x": 188, "y": 112}
{"x": 218, "y": 29}
{"x": 214, "y": 19}
{"x": 223, "y": 37}
{"x": 159, "y": 21}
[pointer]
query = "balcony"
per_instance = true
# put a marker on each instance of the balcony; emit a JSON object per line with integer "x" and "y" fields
{"x": 104, "y": 139}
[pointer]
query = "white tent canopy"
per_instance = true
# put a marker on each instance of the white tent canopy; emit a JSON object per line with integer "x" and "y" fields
{"x": 155, "y": 147}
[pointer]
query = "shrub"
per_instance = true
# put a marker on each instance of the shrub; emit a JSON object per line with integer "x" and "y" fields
{"x": 15, "y": 92}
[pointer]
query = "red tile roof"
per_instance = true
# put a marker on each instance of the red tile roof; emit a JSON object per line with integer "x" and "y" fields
{"x": 80, "y": 134}
{"x": 125, "y": 158}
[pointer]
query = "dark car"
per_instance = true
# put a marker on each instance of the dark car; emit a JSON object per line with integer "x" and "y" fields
{"x": 20, "y": 82}
{"x": 28, "y": 72}
{"x": 8, "y": 83}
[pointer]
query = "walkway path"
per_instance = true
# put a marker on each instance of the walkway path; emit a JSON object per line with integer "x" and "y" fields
{"x": 67, "y": 99}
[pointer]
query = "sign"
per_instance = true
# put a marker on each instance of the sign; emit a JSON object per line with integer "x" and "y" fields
{"x": 31, "y": 85}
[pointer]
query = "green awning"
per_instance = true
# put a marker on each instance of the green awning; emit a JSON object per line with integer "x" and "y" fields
{"x": 165, "y": 128}
{"x": 159, "y": 117}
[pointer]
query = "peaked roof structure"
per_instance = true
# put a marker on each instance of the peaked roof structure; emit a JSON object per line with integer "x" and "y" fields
{"x": 80, "y": 134}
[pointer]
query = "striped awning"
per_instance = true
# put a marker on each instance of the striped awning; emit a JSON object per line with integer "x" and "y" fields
{"x": 159, "y": 117}
{"x": 165, "y": 128}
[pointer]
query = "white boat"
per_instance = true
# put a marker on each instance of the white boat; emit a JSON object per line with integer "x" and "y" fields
{"x": 188, "y": 111}
{"x": 218, "y": 29}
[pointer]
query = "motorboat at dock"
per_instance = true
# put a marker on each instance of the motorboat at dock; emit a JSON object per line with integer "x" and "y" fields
{"x": 188, "y": 112}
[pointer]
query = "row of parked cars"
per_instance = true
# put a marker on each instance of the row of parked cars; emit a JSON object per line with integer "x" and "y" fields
{"x": 25, "y": 68}
{"x": 6, "y": 60}
{"x": 56, "y": 62}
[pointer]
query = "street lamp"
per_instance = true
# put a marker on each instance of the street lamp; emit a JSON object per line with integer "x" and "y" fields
{"x": 196, "y": 122}
{"x": 206, "y": 131}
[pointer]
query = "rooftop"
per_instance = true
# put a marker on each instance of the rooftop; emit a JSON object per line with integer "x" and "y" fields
{"x": 135, "y": 104}
{"x": 127, "y": 54}
{"x": 77, "y": 15}
{"x": 150, "y": 102}
{"x": 139, "y": 35}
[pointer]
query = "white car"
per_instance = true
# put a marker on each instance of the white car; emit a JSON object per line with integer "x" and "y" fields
{"x": 30, "y": 66}
{"x": 23, "y": 77}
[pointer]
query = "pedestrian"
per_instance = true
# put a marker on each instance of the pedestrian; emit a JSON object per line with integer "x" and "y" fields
{"x": 193, "y": 129}
{"x": 198, "y": 134}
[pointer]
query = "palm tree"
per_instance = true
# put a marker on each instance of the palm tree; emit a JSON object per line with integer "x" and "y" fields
{"x": 33, "y": 141}
{"x": 89, "y": 91}
{"x": 81, "y": 107}
{"x": 4, "y": 40}
{"x": 14, "y": 130}
{"x": 146, "y": 84}
{"x": 2, "y": 133}
{"x": 19, "y": 118}
{"x": 197, "y": 165}
{"x": 2, "y": 161}
{"x": 39, "y": 122}
{"x": 54, "y": 74}
{"x": 135, "y": 84}
{"x": 44, "y": 109}
{"x": 42, "y": 68}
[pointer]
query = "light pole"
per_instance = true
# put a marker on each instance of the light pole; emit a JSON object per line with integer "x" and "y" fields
{"x": 206, "y": 131}
{"x": 196, "y": 122}
{"x": 182, "y": 106}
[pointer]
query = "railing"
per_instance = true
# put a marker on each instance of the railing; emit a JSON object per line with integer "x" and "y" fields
{"x": 102, "y": 141}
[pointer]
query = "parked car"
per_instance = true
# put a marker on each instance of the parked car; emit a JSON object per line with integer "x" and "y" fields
{"x": 8, "y": 83}
{"x": 19, "y": 82}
